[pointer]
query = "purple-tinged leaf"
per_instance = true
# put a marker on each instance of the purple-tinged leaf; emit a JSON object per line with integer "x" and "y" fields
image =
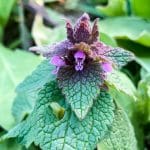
{"x": 69, "y": 31}
{"x": 82, "y": 29}
{"x": 95, "y": 32}
{"x": 60, "y": 49}
{"x": 117, "y": 56}
{"x": 81, "y": 87}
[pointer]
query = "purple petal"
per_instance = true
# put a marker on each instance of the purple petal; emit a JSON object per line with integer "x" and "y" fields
{"x": 79, "y": 67}
{"x": 57, "y": 61}
{"x": 56, "y": 70}
{"x": 79, "y": 54}
{"x": 82, "y": 29}
{"x": 106, "y": 66}
{"x": 79, "y": 59}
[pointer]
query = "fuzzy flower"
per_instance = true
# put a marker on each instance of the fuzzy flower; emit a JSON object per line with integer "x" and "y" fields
{"x": 107, "y": 67}
{"x": 82, "y": 47}
{"x": 58, "y": 62}
{"x": 79, "y": 59}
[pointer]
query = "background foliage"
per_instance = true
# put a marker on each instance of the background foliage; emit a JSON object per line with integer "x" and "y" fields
{"x": 124, "y": 23}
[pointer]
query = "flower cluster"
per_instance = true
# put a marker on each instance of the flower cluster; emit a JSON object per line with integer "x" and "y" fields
{"x": 81, "y": 47}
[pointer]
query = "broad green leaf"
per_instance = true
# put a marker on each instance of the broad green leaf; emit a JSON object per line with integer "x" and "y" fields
{"x": 10, "y": 144}
{"x": 5, "y": 10}
{"x": 14, "y": 67}
{"x": 124, "y": 93}
{"x": 121, "y": 135}
{"x": 114, "y": 8}
{"x": 141, "y": 9}
{"x": 44, "y": 129}
{"x": 125, "y": 101}
{"x": 144, "y": 99}
{"x": 138, "y": 49}
{"x": 144, "y": 62}
{"x": 28, "y": 89}
{"x": 122, "y": 90}
{"x": 132, "y": 28}
{"x": 121, "y": 82}
{"x": 81, "y": 88}
{"x": 118, "y": 56}
{"x": 107, "y": 39}
{"x": 41, "y": 75}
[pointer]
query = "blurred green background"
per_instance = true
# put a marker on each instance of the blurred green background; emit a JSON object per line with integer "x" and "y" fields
{"x": 124, "y": 23}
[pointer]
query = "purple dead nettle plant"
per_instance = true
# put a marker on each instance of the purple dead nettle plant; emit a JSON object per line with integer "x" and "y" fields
{"x": 80, "y": 95}
{"x": 81, "y": 56}
{"x": 81, "y": 47}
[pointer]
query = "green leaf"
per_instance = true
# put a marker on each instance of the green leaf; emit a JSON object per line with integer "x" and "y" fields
{"x": 81, "y": 87}
{"x": 144, "y": 99}
{"x": 118, "y": 56}
{"x": 27, "y": 90}
{"x": 124, "y": 93}
{"x": 122, "y": 90}
{"x": 107, "y": 39}
{"x": 144, "y": 62}
{"x": 10, "y": 144}
{"x": 143, "y": 11}
{"x": 121, "y": 135}
{"x": 132, "y": 28}
{"x": 14, "y": 67}
{"x": 114, "y": 8}
{"x": 119, "y": 81}
{"x": 44, "y": 129}
{"x": 5, "y": 10}
{"x": 134, "y": 47}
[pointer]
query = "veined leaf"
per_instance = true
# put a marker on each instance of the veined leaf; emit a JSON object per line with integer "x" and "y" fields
{"x": 121, "y": 82}
{"x": 44, "y": 129}
{"x": 144, "y": 99}
{"x": 14, "y": 67}
{"x": 27, "y": 90}
{"x": 132, "y": 28}
{"x": 81, "y": 88}
{"x": 121, "y": 135}
{"x": 122, "y": 90}
{"x": 118, "y": 56}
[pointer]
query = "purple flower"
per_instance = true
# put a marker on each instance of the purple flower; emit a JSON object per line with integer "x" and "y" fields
{"x": 79, "y": 59}
{"x": 81, "y": 48}
{"x": 58, "y": 62}
{"x": 107, "y": 67}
